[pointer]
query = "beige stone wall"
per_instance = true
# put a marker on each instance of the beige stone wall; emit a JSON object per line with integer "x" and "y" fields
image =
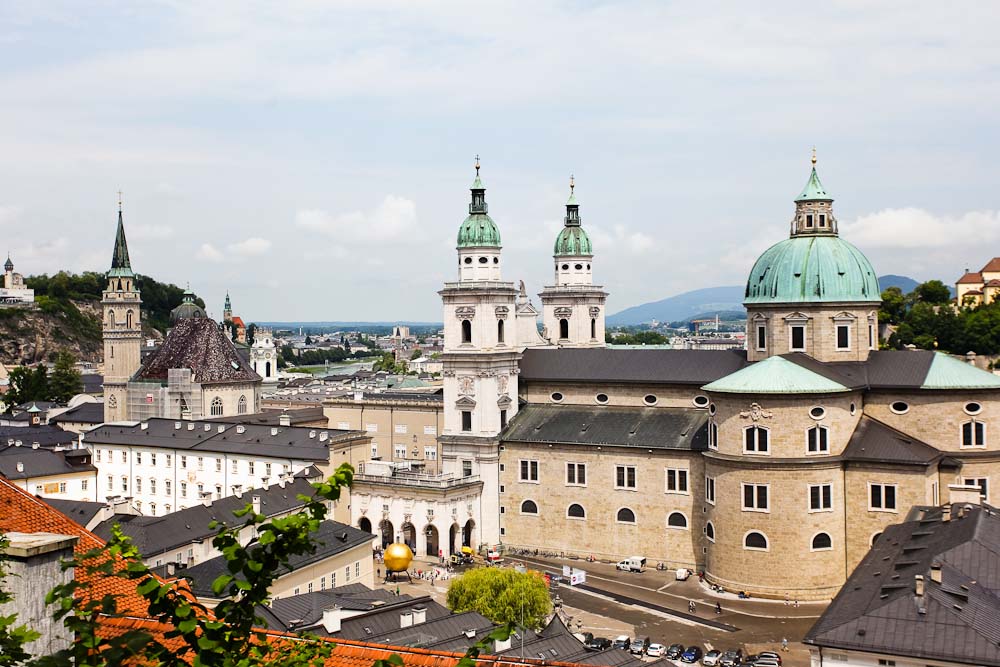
{"x": 789, "y": 567}
{"x": 618, "y": 394}
{"x": 936, "y": 417}
{"x": 230, "y": 393}
{"x": 413, "y": 426}
{"x": 355, "y": 451}
{"x": 599, "y": 533}
{"x": 787, "y": 419}
{"x": 358, "y": 561}
{"x": 821, "y": 330}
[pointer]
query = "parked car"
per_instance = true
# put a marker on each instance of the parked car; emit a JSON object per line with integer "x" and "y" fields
{"x": 682, "y": 574}
{"x": 639, "y": 645}
{"x": 633, "y": 564}
{"x": 770, "y": 654}
{"x": 599, "y": 644}
{"x": 764, "y": 661}
{"x": 711, "y": 658}
{"x": 692, "y": 654}
{"x": 750, "y": 659}
{"x": 622, "y": 642}
{"x": 675, "y": 651}
{"x": 731, "y": 658}
{"x": 656, "y": 650}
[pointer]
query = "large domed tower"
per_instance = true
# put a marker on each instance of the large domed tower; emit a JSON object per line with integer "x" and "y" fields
{"x": 573, "y": 308}
{"x": 813, "y": 292}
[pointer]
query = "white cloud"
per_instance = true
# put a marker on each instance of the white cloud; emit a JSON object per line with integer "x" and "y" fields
{"x": 150, "y": 232}
{"x": 394, "y": 221}
{"x": 250, "y": 247}
{"x": 209, "y": 253}
{"x": 917, "y": 228}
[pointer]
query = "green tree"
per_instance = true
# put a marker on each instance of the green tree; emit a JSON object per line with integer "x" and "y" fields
{"x": 416, "y": 354}
{"x": 932, "y": 291}
{"x": 65, "y": 381}
{"x": 893, "y": 306}
{"x": 27, "y": 385}
{"x": 502, "y": 595}
{"x": 251, "y": 333}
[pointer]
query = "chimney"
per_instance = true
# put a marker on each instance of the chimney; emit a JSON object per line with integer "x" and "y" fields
{"x": 965, "y": 494}
{"x": 284, "y": 419}
{"x": 406, "y": 619}
{"x": 190, "y": 427}
{"x": 206, "y": 498}
{"x": 918, "y": 585}
{"x": 177, "y": 426}
{"x": 274, "y": 430}
{"x": 946, "y": 513}
{"x": 500, "y": 645}
{"x": 143, "y": 426}
{"x": 936, "y": 572}
{"x": 238, "y": 491}
{"x": 281, "y": 481}
{"x": 171, "y": 568}
{"x": 970, "y": 357}
{"x": 331, "y": 619}
{"x": 419, "y": 615}
{"x": 255, "y": 500}
{"x": 20, "y": 467}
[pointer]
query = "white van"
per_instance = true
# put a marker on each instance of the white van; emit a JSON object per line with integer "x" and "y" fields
{"x": 633, "y": 564}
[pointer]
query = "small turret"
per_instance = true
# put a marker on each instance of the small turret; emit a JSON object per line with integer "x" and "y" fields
{"x": 478, "y": 239}
{"x": 814, "y": 208}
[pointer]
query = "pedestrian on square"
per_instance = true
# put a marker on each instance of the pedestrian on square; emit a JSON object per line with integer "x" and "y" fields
{"x": 784, "y": 644}
{"x": 718, "y": 608}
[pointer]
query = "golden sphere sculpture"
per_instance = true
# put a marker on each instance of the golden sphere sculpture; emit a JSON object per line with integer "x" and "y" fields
{"x": 397, "y": 557}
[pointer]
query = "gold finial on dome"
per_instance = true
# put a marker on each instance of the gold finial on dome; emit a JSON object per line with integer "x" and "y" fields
{"x": 477, "y": 164}
{"x": 814, "y": 156}
{"x": 572, "y": 183}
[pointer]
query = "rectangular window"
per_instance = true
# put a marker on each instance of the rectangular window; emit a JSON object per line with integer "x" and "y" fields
{"x": 713, "y": 435}
{"x": 347, "y": 573}
{"x": 466, "y": 468}
{"x": 201, "y": 463}
{"x": 166, "y": 487}
{"x": 309, "y": 587}
{"x": 371, "y": 428}
{"x": 809, "y": 221}
{"x": 677, "y": 480}
{"x": 761, "y": 337}
{"x": 466, "y": 420}
{"x": 982, "y": 482}
{"x": 576, "y": 474}
{"x": 818, "y": 440}
{"x": 357, "y": 569}
{"x": 882, "y": 497}
{"x": 344, "y": 426}
{"x": 124, "y": 456}
{"x": 430, "y": 453}
{"x": 138, "y": 484}
{"x": 250, "y": 467}
{"x": 820, "y": 497}
{"x": 974, "y": 434}
{"x": 755, "y": 440}
{"x": 822, "y": 220}
{"x": 400, "y": 451}
{"x": 503, "y": 419}
{"x": 267, "y": 470}
{"x": 138, "y": 458}
{"x": 529, "y": 471}
{"x": 400, "y": 428}
{"x": 184, "y": 490}
{"x": 798, "y": 333}
{"x": 430, "y": 430}
{"x": 333, "y": 580}
{"x": 97, "y": 455}
{"x": 184, "y": 462}
{"x": 234, "y": 466}
{"x": 624, "y": 477}
{"x": 111, "y": 483}
{"x": 170, "y": 460}
{"x": 124, "y": 483}
{"x": 374, "y": 451}
{"x": 62, "y": 487}
{"x": 755, "y": 498}
{"x": 152, "y": 485}
{"x": 871, "y": 336}
{"x": 710, "y": 490}
{"x": 83, "y": 485}
{"x": 322, "y": 583}
{"x": 843, "y": 337}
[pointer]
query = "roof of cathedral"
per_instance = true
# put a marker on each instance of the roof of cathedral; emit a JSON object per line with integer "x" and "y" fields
{"x": 610, "y": 426}
{"x": 121, "y": 267}
{"x": 776, "y": 375}
{"x": 197, "y": 343}
{"x": 875, "y": 442}
{"x": 656, "y": 366}
{"x": 946, "y": 372}
{"x": 991, "y": 266}
{"x": 814, "y": 190}
{"x": 187, "y": 308}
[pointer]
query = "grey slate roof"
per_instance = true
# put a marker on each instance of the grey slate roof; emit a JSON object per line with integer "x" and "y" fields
{"x": 290, "y": 442}
{"x": 40, "y": 462}
{"x": 652, "y": 428}
{"x": 80, "y": 511}
{"x": 85, "y": 413}
{"x": 93, "y": 383}
{"x": 306, "y": 610}
{"x": 956, "y": 620}
{"x": 198, "y": 344}
{"x": 697, "y": 367}
{"x": 46, "y": 435}
{"x": 271, "y": 417}
{"x": 153, "y": 535}
{"x": 875, "y": 442}
{"x": 331, "y": 538}
{"x": 386, "y": 620}
{"x": 444, "y": 633}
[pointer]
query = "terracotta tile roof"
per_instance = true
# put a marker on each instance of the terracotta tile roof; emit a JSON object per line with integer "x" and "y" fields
{"x": 992, "y": 266}
{"x": 971, "y": 278}
{"x": 993, "y": 283}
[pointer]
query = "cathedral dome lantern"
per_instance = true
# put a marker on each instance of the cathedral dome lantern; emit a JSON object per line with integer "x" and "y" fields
{"x": 572, "y": 240}
{"x": 478, "y": 238}
{"x": 187, "y": 309}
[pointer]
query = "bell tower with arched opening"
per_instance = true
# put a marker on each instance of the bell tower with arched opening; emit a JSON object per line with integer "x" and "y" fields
{"x": 122, "y": 328}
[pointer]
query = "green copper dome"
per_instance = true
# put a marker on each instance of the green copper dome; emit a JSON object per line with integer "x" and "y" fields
{"x": 805, "y": 269}
{"x": 814, "y": 190}
{"x": 478, "y": 229}
{"x": 573, "y": 241}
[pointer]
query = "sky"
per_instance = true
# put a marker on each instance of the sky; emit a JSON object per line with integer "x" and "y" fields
{"x": 314, "y": 158}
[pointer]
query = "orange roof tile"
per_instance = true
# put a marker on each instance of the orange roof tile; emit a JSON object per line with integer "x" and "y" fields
{"x": 992, "y": 266}
{"x": 973, "y": 278}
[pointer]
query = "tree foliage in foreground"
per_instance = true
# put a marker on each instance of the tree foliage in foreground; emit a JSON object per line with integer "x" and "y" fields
{"x": 502, "y": 595}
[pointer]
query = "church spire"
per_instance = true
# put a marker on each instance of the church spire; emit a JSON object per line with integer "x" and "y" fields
{"x": 120, "y": 264}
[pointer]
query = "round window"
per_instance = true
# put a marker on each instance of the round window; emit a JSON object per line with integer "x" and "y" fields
{"x": 468, "y": 260}
{"x": 973, "y": 408}
{"x": 854, "y": 409}
{"x": 556, "y": 396}
{"x": 711, "y": 409}
{"x": 900, "y": 407}
{"x": 483, "y": 260}
{"x": 817, "y": 413}
{"x": 565, "y": 267}
{"x": 649, "y": 399}
{"x": 496, "y": 260}
{"x": 588, "y": 267}
{"x": 601, "y": 398}
{"x": 701, "y": 401}
{"x": 578, "y": 267}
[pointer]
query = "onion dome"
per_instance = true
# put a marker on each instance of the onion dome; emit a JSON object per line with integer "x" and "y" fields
{"x": 187, "y": 309}
{"x": 814, "y": 264}
{"x": 572, "y": 239}
{"x": 478, "y": 230}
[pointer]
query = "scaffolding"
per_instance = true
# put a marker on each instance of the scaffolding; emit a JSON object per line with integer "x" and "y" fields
{"x": 179, "y": 398}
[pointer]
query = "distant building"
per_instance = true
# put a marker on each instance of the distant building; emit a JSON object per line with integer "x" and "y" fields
{"x": 67, "y": 473}
{"x": 983, "y": 286}
{"x": 14, "y": 292}
{"x": 264, "y": 357}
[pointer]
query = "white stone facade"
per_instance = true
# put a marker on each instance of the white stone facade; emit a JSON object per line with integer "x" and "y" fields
{"x": 264, "y": 356}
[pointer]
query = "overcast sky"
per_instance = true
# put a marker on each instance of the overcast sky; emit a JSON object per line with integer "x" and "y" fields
{"x": 314, "y": 158}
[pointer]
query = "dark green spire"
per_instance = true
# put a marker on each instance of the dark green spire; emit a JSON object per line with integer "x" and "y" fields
{"x": 120, "y": 265}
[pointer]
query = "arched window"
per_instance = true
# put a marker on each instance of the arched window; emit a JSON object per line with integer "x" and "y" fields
{"x": 677, "y": 520}
{"x": 818, "y": 440}
{"x": 593, "y": 328}
{"x": 755, "y": 540}
{"x": 625, "y": 515}
{"x": 466, "y": 331}
{"x": 113, "y": 401}
{"x": 128, "y": 319}
{"x": 576, "y": 511}
{"x": 241, "y": 407}
{"x": 499, "y": 331}
{"x": 974, "y": 433}
{"x": 111, "y": 319}
{"x": 710, "y": 531}
{"x": 216, "y": 407}
{"x": 821, "y": 542}
{"x": 875, "y": 538}
{"x": 529, "y": 507}
{"x": 563, "y": 328}
{"x": 755, "y": 440}
{"x": 267, "y": 369}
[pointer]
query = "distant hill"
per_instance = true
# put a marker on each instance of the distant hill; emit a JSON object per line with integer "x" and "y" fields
{"x": 710, "y": 300}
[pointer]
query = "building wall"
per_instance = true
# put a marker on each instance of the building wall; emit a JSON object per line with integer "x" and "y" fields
{"x": 575, "y": 393}
{"x": 67, "y": 486}
{"x": 821, "y": 322}
{"x": 391, "y": 425}
{"x": 122, "y": 337}
{"x": 936, "y": 417}
{"x": 579, "y": 307}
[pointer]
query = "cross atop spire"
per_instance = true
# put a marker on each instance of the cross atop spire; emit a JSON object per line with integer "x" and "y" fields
{"x": 477, "y": 165}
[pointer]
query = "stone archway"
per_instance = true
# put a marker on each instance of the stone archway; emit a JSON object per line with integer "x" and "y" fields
{"x": 433, "y": 541}
{"x": 385, "y": 527}
{"x": 409, "y": 536}
{"x": 453, "y": 534}
{"x": 468, "y": 533}
{"x": 365, "y": 524}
